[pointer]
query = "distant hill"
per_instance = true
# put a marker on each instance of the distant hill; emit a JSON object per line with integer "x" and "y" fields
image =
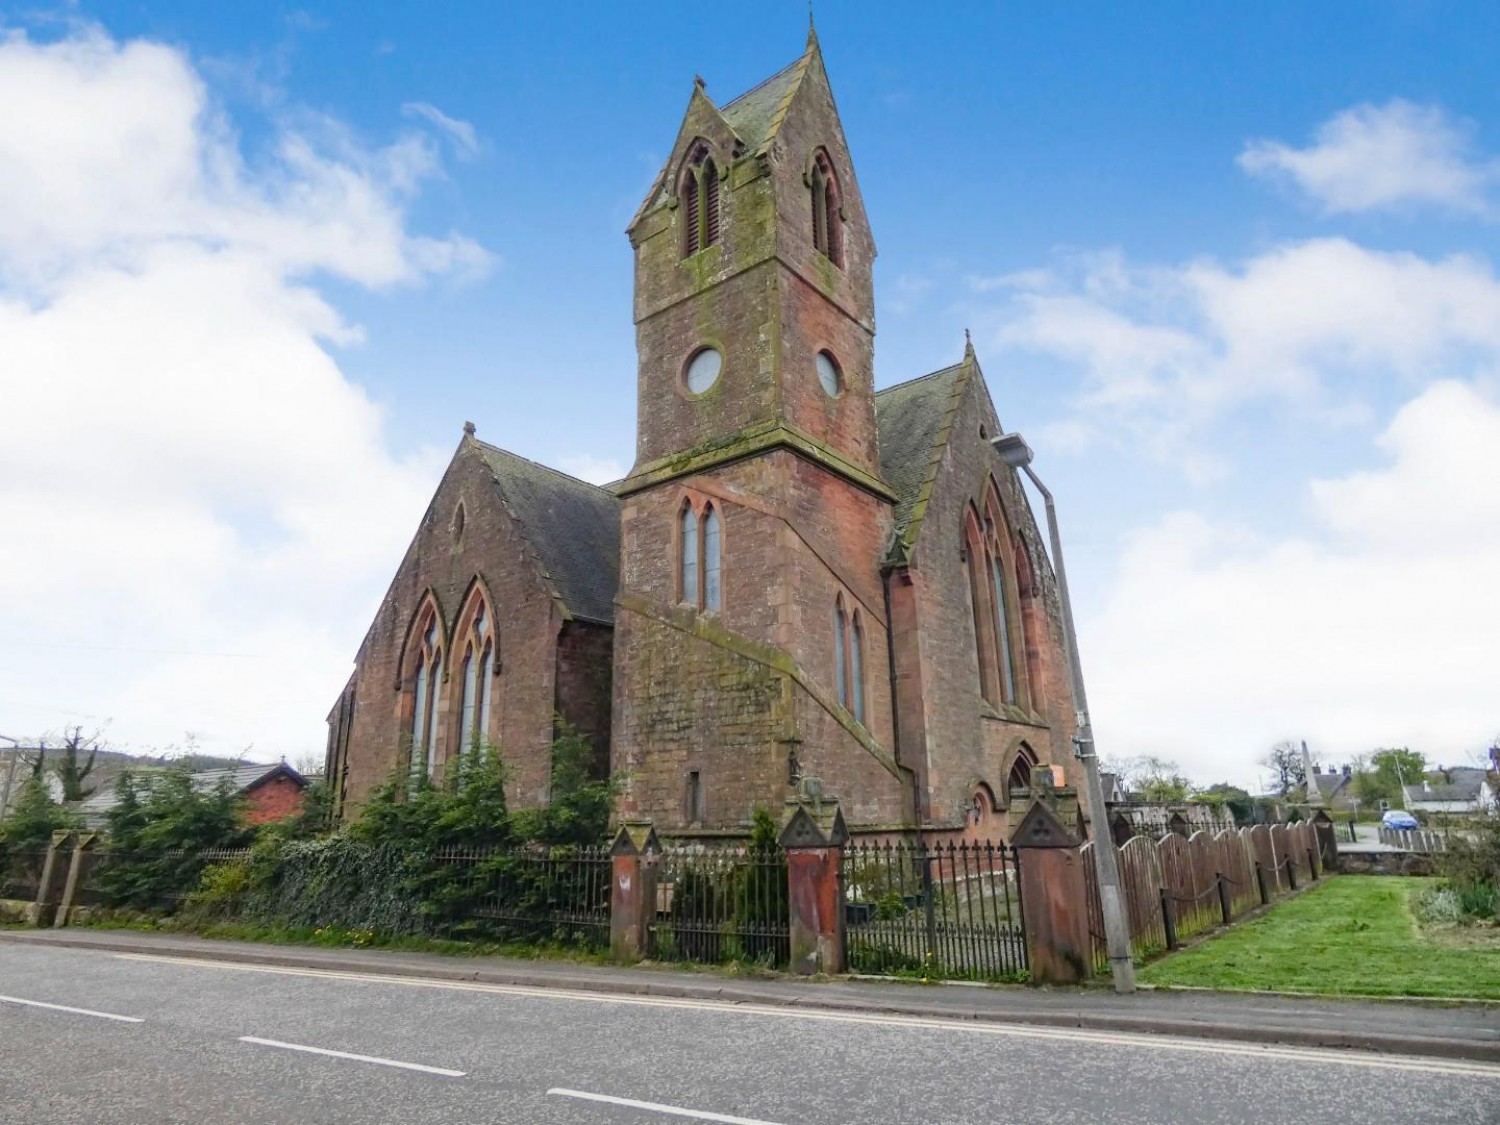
{"x": 110, "y": 764}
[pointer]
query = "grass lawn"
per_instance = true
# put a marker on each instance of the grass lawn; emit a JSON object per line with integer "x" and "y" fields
{"x": 1353, "y": 935}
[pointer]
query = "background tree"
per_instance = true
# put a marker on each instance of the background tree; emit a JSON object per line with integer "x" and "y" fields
{"x": 1284, "y": 760}
{"x": 27, "y": 830}
{"x": 1395, "y": 767}
{"x": 1223, "y": 795}
{"x": 1159, "y": 780}
{"x": 70, "y": 763}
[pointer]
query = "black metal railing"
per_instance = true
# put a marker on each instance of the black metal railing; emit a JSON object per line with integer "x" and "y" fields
{"x": 721, "y": 904}
{"x": 941, "y": 910}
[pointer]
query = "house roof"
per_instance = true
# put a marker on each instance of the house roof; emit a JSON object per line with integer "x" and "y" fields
{"x": 572, "y": 526}
{"x": 241, "y": 779}
{"x": 1462, "y": 785}
{"x": 913, "y": 420}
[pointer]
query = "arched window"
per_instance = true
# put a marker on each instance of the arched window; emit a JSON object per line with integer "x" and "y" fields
{"x": 999, "y": 625}
{"x": 828, "y": 227}
{"x": 841, "y": 653}
{"x": 476, "y": 635}
{"x": 688, "y": 529}
{"x": 698, "y": 191}
{"x": 849, "y": 659}
{"x": 1020, "y": 769}
{"x": 857, "y": 667}
{"x": 1010, "y": 632}
{"x": 424, "y": 657}
{"x": 976, "y": 564}
{"x": 711, "y": 559}
{"x": 701, "y": 557}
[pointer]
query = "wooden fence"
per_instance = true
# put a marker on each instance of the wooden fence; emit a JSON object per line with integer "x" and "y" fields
{"x": 1176, "y": 887}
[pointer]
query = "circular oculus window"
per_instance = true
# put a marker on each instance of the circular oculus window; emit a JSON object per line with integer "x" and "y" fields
{"x": 828, "y": 374}
{"x": 703, "y": 370}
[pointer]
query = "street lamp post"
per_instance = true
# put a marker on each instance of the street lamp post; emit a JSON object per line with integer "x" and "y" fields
{"x": 1016, "y": 453}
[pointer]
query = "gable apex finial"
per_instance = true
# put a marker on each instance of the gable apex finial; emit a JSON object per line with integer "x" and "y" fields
{"x": 968, "y": 345}
{"x": 699, "y": 83}
{"x": 812, "y": 31}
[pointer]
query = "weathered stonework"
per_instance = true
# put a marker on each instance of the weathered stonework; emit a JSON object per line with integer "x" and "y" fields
{"x": 854, "y": 499}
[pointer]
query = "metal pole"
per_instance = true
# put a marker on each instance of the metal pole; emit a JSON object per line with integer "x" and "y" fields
{"x": 1106, "y": 861}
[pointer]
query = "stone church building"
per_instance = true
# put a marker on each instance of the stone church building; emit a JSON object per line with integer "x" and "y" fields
{"x": 800, "y": 576}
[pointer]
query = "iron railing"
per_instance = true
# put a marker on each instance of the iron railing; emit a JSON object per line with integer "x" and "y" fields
{"x": 942, "y": 910}
{"x": 721, "y": 904}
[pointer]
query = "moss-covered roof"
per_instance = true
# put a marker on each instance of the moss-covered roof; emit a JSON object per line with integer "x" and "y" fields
{"x": 757, "y": 113}
{"x": 913, "y": 421}
{"x": 573, "y": 526}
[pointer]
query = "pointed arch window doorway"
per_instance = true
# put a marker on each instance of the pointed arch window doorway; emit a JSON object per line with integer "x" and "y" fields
{"x": 476, "y": 635}
{"x": 698, "y": 195}
{"x": 425, "y": 659}
{"x": 700, "y": 568}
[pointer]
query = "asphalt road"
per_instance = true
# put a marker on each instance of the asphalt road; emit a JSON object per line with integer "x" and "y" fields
{"x": 237, "y": 1043}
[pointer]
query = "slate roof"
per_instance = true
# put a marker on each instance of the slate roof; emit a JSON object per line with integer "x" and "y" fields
{"x": 755, "y": 115}
{"x": 241, "y": 778}
{"x": 571, "y": 525}
{"x": 911, "y": 420}
{"x": 1462, "y": 785}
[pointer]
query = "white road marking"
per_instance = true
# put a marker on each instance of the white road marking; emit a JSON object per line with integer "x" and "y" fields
{"x": 356, "y": 1058}
{"x": 657, "y": 1107}
{"x": 1313, "y": 1055}
{"x": 75, "y": 1011}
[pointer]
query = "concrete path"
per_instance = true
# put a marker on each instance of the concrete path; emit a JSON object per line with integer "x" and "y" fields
{"x": 1455, "y": 1031}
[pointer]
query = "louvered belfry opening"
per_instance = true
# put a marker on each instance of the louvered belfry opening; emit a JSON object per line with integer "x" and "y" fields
{"x": 699, "y": 193}
{"x": 828, "y": 229}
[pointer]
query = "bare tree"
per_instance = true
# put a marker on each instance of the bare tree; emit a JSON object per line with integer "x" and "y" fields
{"x": 1285, "y": 761}
{"x": 70, "y": 746}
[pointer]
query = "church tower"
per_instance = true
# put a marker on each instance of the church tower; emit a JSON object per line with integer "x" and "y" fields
{"x": 750, "y": 644}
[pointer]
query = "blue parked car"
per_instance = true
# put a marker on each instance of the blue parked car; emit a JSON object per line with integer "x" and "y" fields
{"x": 1398, "y": 818}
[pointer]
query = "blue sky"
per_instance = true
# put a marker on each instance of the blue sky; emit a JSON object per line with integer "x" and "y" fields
{"x": 1229, "y": 267}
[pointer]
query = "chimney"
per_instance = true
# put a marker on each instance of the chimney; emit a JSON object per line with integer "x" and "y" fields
{"x": 1348, "y": 770}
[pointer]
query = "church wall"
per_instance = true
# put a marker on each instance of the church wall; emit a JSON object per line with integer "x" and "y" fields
{"x": 585, "y": 658}
{"x": 963, "y": 740}
{"x": 689, "y": 701}
{"x": 523, "y": 700}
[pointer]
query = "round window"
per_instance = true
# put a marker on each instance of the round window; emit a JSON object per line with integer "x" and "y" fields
{"x": 703, "y": 370}
{"x": 828, "y": 373}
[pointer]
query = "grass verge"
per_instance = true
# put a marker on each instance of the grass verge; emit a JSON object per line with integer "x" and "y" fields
{"x": 1355, "y": 935}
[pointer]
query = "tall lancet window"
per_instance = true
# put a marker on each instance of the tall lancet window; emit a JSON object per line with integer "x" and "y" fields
{"x": 478, "y": 672}
{"x": 857, "y": 668}
{"x": 698, "y": 199}
{"x": 841, "y": 653}
{"x": 827, "y": 205}
{"x": 425, "y": 658}
{"x": 688, "y": 531}
{"x": 712, "y": 566}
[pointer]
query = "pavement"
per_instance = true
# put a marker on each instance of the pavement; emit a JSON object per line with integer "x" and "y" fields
{"x": 1467, "y": 1030}
{"x": 110, "y": 1038}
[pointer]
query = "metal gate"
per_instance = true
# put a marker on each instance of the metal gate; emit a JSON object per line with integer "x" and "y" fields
{"x": 933, "y": 910}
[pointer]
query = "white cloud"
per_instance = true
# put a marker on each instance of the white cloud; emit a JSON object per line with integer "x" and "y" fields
{"x": 1381, "y": 628}
{"x": 198, "y": 507}
{"x": 463, "y": 135}
{"x": 1375, "y": 158}
{"x": 1166, "y": 351}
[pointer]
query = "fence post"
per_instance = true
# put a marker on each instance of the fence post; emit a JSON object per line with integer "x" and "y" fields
{"x": 81, "y": 847}
{"x": 1168, "y": 919}
{"x": 1260, "y": 881}
{"x": 1054, "y": 902}
{"x": 1328, "y": 847}
{"x": 1226, "y": 905}
{"x": 1291, "y": 872}
{"x": 632, "y": 895}
{"x": 46, "y": 888}
{"x": 813, "y": 836}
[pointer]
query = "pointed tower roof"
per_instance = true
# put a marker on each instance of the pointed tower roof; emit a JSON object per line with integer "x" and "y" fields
{"x": 754, "y": 117}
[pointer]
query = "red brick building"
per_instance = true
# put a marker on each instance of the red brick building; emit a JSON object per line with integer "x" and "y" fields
{"x": 800, "y": 576}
